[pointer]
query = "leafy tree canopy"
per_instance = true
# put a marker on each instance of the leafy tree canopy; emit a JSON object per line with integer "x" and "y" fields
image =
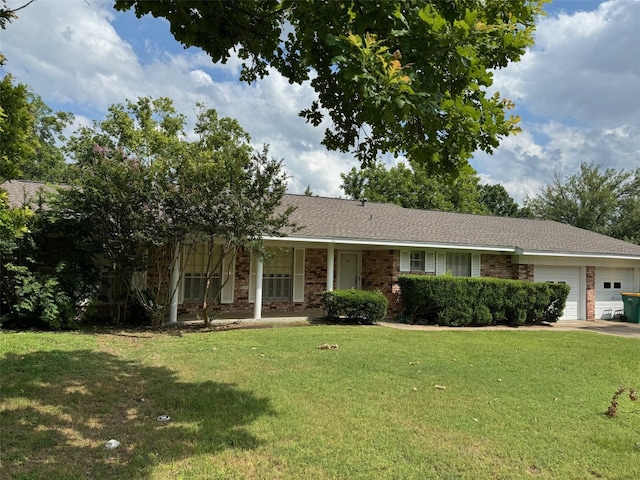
{"x": 498, "y": 202}
{"x": 415, "y": 188}
{"x": 29, "y": 135}
{"x": 143, "y": 185}
{"x": 603, "y": 201}
{"x": 408, "y": 77}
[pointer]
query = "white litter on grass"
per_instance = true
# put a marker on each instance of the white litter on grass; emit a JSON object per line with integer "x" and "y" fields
{"x": 111, "y": 444}
{"x": 163, "y": 418}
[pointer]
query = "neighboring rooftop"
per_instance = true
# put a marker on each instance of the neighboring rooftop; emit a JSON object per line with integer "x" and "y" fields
{"x": 332, "y": 219}
{"x": 25, "y": 192}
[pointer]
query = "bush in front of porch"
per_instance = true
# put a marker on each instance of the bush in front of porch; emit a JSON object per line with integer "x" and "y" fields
{"x": 359, "y": 306}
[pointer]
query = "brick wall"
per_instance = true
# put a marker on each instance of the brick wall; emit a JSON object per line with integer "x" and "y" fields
{"x": 524, "y": 272}
{"x": 380, "y": 269}
{"x": 496, "y": 266}
{"x": 501, "y": 266}
{"x": 315, "y": 276}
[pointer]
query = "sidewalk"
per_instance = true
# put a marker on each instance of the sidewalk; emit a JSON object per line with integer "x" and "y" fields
{"x": 609, "y": 327}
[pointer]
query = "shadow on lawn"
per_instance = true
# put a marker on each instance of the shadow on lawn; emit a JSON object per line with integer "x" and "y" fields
{"x": 58, "y": 409}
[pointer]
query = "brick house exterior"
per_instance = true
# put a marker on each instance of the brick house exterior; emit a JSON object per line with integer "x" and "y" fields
{"x": 366, "y": 245}
{"x": 369, "y": 245}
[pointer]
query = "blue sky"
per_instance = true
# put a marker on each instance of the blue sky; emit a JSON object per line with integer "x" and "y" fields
{"x": 576, "y": 89}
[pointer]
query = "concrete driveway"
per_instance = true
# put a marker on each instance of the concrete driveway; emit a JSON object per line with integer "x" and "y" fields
{"x": 622, "y": 329}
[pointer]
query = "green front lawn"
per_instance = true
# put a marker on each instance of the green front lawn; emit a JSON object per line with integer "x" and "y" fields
{"x": 268, "y": 404}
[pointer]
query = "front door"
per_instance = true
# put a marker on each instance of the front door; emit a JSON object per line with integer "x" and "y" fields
{"x": 349, "y": 270}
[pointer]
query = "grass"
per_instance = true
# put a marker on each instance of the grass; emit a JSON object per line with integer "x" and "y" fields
{"x": 269, "y": 404}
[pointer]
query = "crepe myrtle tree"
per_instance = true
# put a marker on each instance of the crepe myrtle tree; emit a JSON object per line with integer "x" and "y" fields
{"x": 409, "y": 77}
{"x": 116, "y": 194}
{"x": 227, "y": 194}
{"x": 144, "y": 185}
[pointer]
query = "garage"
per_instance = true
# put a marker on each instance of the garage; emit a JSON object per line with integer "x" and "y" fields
{"x": 568, "y": 275}
{"x": 609, "y": 283}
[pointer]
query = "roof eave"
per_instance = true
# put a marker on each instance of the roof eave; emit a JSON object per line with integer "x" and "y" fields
{"x": 612, "y": 256}
{"x": 392, "y": 243}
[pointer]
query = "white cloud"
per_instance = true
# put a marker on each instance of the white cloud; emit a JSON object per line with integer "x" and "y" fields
{"x": 200, "y": 78}
{"x": 576, "y": 89}
{"x": 84, "y": 61}
{"x": 577, "y": 93}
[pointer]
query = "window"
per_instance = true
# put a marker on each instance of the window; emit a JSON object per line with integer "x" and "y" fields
{"x": 607, "y": 284}
{"x": 196, "y": 264}
{"x": 277, "y": 279}
{"x": 417, "y": 261}
{"x": 617, "y": 285}
{"x": 105, "y": 284}
{"x": 459, "y": 264}
{"x": 194, "y": 287}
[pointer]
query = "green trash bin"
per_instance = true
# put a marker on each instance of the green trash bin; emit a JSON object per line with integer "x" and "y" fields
{"x": 631, "y": 303}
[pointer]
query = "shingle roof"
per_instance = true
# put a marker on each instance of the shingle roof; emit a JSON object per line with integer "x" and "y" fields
{"x": 331, "y": 219}
{"x": 24, "y": 192}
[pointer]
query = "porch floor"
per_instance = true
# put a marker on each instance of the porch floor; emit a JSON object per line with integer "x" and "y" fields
{"x": 268, "y": 317}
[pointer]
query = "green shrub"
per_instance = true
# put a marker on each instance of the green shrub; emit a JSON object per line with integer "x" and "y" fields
{"x": 461, "y": 301}
{"x": 359, "y": 306}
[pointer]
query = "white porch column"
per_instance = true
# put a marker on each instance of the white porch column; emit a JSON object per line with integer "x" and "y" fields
{"x": 331, "y": 253}
{"x": 257, "y": 306}
{"x": 173, "y": 283}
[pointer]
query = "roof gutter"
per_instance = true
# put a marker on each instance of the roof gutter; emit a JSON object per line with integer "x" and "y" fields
{"x": 393, "y": 244}
{"x": 579, "y": 255}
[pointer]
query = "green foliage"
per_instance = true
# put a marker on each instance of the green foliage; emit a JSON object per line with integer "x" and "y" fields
{"x": 461, "y": 301}
{"x": 48, "y": 273}
{"x": 38, "y": 299}
{"x": 142, "y": 184}
{"x": 29, "y": 132}
{"x": 13, "y": 224}
{"x": 407, "y": 77}
{"x": 603, "y": 201}
{"x": 415, "y": 187}
{"x": 498, "y": 202}
{"x": 361, "y": 306}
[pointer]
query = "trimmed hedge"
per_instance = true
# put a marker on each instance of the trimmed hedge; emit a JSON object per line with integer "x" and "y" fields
{"x": 463, "y": 301}
{"x": 360, "y": 306}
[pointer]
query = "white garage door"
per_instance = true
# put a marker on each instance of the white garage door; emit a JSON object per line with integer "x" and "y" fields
{"x": 609, "y": 283}
{"x": 568, "y": 275}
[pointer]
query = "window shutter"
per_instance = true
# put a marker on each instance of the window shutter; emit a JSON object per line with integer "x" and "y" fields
{"x": 228, "y": 277}
{"x": 475, "y": 265}
{"x": 252, "y": 279}
{"x": 441, "y": 263}
{"x": 429, "y": 261}
{"x": 298, "y": 275}
{"x": 405, "y": 260}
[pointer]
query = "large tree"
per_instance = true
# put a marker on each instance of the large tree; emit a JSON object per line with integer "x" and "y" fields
{"x": 144, "y": 184}
{"x": 415, "y": 188}
{"x": 603, "y": 201}
{"x": 498, "y": 202}
{"x": 30, "y": 135}
{"x": 409, "y": 77}
{"x": 227, "y": 196}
